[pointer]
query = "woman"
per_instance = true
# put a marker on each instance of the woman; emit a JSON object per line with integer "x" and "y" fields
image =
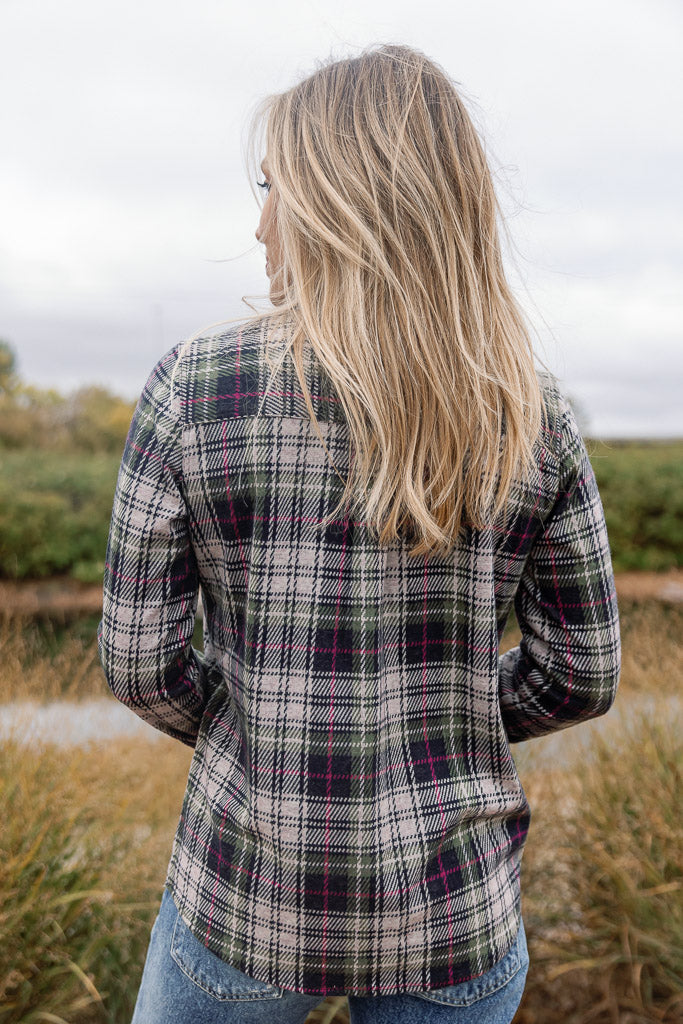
{"x": 362, "y": 483}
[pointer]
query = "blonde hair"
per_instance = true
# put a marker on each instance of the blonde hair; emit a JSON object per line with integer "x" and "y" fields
{"x": 387, "y": 222}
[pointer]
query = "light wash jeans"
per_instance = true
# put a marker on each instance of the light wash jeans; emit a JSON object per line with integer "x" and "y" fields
{"x": 183, "y": 983}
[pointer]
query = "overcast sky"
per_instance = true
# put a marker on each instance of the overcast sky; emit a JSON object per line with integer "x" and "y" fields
{"x": 127, "y": 219}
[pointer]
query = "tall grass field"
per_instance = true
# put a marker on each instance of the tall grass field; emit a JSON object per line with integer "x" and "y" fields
{"x": 87, "y": 832}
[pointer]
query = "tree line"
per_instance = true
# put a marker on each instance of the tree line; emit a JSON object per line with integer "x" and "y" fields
{"x": 90, "y": 419}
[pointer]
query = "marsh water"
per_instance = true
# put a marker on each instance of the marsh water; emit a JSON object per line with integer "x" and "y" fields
{"x": 99, "y": 720}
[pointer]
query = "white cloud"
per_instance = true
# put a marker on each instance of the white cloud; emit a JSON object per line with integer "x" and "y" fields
{"x": 123, "y": 175}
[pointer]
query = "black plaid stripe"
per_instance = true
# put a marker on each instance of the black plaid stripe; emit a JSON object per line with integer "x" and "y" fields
{"x": 353, "y": 820}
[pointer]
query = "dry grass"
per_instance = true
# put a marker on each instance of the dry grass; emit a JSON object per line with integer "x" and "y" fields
{"x": 652, "y": 647}
{"x": 87, "y": 834}
{"x": 602, "y": 883}
{"x": 82, "y": 865}
{"x": 652, "y": 651}
{"x": 83, "y": 854}
{"x": 39, "y": 664}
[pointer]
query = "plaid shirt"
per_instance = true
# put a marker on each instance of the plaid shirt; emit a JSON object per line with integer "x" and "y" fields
{"x": 353, "y": 820}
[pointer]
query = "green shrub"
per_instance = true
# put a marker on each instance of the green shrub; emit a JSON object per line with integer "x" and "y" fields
{"x": 89, "y": 420}
{"x": 54, "y": 513}
{"x": 55, "y": 507}
{"x": 641, "y": 485}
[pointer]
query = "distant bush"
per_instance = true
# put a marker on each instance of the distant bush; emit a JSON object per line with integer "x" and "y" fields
{"x": 54, "y": 513}
{"x": 641, "y": 485}
{"x": 89, "y": 420}
{"x": 55, "y": 506}
{"x": 60, "y": 454}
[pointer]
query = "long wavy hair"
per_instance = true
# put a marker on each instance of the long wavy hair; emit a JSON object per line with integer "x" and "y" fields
{"x": 387, "y": 222}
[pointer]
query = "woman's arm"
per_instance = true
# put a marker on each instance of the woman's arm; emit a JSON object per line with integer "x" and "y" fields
{"x": 150, "y": 581}
{"x": 567, "y": 665}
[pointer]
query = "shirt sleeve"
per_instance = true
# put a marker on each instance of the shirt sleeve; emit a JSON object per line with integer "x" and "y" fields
{"x": 566, "y": 667}
{"x": 151, "y": 584}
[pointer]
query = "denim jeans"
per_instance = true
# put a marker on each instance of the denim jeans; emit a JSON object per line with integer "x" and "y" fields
{"x": 183, "y": 981}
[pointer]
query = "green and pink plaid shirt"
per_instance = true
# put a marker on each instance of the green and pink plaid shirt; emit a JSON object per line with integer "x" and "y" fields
{"x": 353, "y": 821}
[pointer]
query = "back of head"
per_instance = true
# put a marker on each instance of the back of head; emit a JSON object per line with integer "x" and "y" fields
{"x": 391, "y": 267}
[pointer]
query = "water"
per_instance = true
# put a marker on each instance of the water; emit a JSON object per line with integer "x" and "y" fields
{"x": 561, "y": 748}
{"x": 71, "y": 723}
